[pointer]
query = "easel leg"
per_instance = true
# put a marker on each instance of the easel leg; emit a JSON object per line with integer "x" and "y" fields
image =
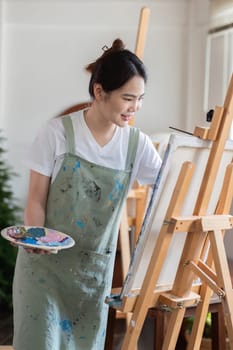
{"x": 200, "y": 317}
{"x": 218, "y": 330}
{"x": 223, "y": 206}
{"x": 145, "y": 298}
{"x": 174, "y": 327}
{"x": 222, "y": 270}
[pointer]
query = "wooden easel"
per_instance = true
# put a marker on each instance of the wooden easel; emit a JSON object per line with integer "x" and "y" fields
{"x": 199, "y": 228}
{"x": 137, "y": 191}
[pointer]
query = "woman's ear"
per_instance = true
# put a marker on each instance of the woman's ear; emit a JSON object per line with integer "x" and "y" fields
{"x": 98, "y": 91}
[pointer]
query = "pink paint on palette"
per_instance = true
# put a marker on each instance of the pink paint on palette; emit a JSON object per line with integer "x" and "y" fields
{"x": 52, "y": 236}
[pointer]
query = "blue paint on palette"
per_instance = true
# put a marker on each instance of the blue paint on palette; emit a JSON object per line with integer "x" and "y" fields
{"x": 28, "y": 240}
{"x": 31, "y": 240}
{"x": 36, "y": 232}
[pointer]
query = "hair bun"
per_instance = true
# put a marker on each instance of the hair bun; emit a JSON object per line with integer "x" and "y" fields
{"x": 118, "y": 45}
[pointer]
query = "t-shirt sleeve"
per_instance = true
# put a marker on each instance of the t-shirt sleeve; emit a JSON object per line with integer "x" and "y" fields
{"x": 149, "y": 161}
{"x": 41, "y": 155}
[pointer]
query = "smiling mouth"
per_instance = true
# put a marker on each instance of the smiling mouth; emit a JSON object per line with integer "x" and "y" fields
{"x": 126, "y": 117}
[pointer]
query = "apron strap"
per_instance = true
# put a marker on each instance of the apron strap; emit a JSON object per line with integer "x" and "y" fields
{"x": 69, "y": 133}
{"x": 132, "y": 148}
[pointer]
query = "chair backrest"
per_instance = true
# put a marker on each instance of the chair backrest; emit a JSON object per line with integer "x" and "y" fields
{"x": 75, "y": 108}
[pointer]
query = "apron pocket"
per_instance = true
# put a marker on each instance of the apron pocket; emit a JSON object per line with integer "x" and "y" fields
{"x": 92, "y": 270}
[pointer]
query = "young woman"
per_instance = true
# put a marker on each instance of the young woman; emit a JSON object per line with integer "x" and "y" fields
{"x": 82, "y": 166}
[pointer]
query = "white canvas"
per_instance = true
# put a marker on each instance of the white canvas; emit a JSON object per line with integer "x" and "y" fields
{"x": 180, "y": 148}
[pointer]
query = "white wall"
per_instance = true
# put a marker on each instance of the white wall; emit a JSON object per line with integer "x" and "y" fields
{"x": 219, "y": 69}
{"x": 46, "y": 44}
{"x": 196, "y": 56}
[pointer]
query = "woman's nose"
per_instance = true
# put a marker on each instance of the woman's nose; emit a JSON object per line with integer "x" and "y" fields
{"x": 135, "y": 106}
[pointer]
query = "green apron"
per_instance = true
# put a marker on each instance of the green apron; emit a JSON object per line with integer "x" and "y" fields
{"x": 59, "y": 300}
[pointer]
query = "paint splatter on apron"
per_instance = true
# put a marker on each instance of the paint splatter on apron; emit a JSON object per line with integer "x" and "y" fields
{"x": 59, "y": 299}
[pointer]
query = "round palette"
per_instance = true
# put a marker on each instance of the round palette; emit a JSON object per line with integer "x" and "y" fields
{"x": 38, "y": 238}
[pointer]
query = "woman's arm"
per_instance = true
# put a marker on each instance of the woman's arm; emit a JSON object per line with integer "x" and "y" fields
{"x": 34, "y": 214}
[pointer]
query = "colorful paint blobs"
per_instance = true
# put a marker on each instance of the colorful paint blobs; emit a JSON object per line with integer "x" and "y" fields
{"x": 38, "y": 236}
{"x": 36, "y": 232}
{"x": 52, "y": 236}
{"x": 16, "y": 232}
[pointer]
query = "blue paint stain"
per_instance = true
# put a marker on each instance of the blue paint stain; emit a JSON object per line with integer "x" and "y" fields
{"x": 77, "y": 166}
{"x": 119, "y": 185}
{"x": 116, "y": 193}
{"x": 66, "y": 325}
{"x": 80, "y": 224}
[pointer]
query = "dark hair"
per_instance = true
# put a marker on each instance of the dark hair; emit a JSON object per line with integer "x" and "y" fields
{"x": 115, "y": 67}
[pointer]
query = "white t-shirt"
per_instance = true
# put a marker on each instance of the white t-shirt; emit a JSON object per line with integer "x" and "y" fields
{"x": 48, "y": 149}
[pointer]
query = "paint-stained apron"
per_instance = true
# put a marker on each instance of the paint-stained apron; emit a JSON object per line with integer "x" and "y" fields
{"x": 59, "y": 299}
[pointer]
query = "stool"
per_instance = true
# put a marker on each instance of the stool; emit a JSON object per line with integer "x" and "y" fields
{"x": 218, "y": 334}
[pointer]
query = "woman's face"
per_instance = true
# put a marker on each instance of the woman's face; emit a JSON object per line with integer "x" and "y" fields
{"x": 119, "y": 106}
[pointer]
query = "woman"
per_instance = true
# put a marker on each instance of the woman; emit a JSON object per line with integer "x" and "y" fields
{"x": 82, "y": 167}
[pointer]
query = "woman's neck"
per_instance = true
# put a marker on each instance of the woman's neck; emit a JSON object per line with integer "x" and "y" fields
{"x": 101, "y": 130}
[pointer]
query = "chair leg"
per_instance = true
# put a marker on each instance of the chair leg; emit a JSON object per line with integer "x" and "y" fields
{"x": 161, "y": 319}
{"x": 110, "y": 329}
{"x": 218, "y": 335}
{"x": 218, "y": 329}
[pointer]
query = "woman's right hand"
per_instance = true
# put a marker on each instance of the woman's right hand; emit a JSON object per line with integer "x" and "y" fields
{"x": 37, "y": 251}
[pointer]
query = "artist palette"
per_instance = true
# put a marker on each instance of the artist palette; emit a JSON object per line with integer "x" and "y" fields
{"x": 35, "y": 237}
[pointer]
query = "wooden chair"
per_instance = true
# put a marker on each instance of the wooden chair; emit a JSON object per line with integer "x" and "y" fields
{"x": 218, "y": 332}
{"x": 75, "y": 108}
